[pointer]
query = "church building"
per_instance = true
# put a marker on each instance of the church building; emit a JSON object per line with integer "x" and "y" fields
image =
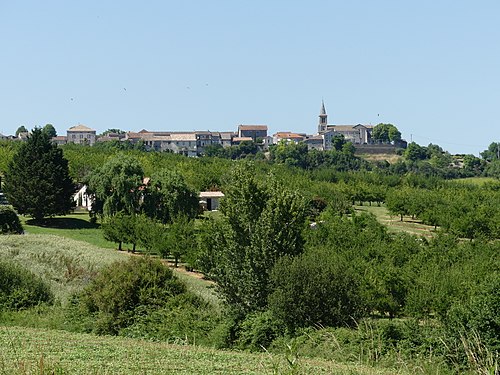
{"x": 357, "y": 134}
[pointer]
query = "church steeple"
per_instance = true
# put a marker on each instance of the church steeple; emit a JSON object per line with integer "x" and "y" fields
{"x": 323, "y": 118}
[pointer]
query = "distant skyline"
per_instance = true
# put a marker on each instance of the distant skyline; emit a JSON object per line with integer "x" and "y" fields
{"x": 429, "y": 67}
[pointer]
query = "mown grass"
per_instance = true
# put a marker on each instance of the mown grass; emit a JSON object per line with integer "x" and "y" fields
{"x": 395, "y": 224}
{"x": 30, "y": 351}
{"x": 66, "y": 264}
{"x": 75, "y": 226}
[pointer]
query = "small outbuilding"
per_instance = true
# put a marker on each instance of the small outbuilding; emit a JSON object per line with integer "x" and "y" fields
{"x": 209, "y": 200}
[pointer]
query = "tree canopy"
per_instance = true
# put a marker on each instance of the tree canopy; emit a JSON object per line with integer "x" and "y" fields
{"x": 37, "y": 181}
{"x": 386, "y": 133}
{"x": 115, "y": 186}
{"x": 262, "y": 222}
{"x": 21, "y": 129}
{"x": 169, "y": 196}
{"x": 50, "y": 130}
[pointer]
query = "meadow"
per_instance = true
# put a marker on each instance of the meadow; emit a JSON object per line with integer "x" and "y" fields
{"x": 39, "y": 351}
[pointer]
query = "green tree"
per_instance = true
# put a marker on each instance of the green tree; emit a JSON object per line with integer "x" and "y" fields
{"x": 386, "y": 133}
{"x": 180, "y": 238}
{"x": 292, "y": 154}
{"x": 114, "y": 228}
{"x": 21, "y": 129}
{"x": 37, "y": 182}
{"x": 493, "y": 169}
{"x": 113, "y": 130}
{"x": 398, "y": 202}
{"x": 492, "y": 153}
{"x": 338, "y": 142}
{"x": 415, "y": 152}
{"x": 168, "y": 196}
{"x": 123, "y": 291}
{"x": 262, "y": 222}
{"x": 116, "y": 186}
{"x": 316, "y": 289}
{"x": 50, "y": 130}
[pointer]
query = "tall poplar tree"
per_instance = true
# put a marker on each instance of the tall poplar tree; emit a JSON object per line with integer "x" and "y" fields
{"x": 37, "y": 181}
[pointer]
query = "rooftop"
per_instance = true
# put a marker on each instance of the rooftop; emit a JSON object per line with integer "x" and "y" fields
{"x": 252, "y": 127}
{"x": 80, "y": 128}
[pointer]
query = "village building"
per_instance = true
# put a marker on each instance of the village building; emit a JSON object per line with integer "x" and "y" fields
{"x": 357, "y": 134}
{"x": 210, "y": 200}
{"x": 81, "y": 134}
{"x": 256, "y": 132}
{"x": 288, "y": 137}
{"x": 60, "y": 140}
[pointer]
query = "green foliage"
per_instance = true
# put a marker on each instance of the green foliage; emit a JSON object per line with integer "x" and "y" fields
{"x": 415, "y": 152}
{"x": 20, "y": 288}
{"x": 478, "y": 315}
{"x": 118, "y": 295}
{"x": 169, "y": 196}
{"x": 261, "y": 223}
{"x": 492, "y": 153}
{"x": 114, "y": 131}
{"x": 386, "y": 133}
{"x": 315, "y": 289}
{"x": 9, "y": 221}
{"x": 258, "y": 330}
{"x": 50, "y": 131}
{"x": 115, "y": 186}
{"x": 114, "y": 228}
{"x": 181, "y": 238}
{"x": 184, "y": 319}
{"x": 21, "y": 129}
{"x": 37, "y": 182}
{"x": 291, "y": 154}
{"x": 493, "y": 169}
{"x": 399, "y": 345}
{"x": 66, "y": 265}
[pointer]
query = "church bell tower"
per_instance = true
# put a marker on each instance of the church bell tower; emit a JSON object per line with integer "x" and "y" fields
{"x": 323, "y": 118}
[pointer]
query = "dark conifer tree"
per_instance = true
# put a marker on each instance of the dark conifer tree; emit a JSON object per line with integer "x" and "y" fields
{"x": 37, "y": 182}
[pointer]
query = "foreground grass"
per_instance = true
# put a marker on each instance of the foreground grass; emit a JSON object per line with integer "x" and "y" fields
{"x": 394, "y": 223}
{"x": 30, "y": 351}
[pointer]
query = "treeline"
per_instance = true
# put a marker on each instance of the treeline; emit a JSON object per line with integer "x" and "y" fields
{"x": 464, "y": 211}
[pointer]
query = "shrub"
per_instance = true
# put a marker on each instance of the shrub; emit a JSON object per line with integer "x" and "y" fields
{"x": 20, "y": 288}
{"x": 124, "y": 290}
{"x": 477, "y": 320}
{"x": 258, "y": 331}
{"x": 317, "y": 288}
{"x": 185, "y": 319}
{"x": 9, "y": 221}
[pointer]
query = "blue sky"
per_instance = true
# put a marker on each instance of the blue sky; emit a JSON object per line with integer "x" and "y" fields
{"x": 432, "y": 68}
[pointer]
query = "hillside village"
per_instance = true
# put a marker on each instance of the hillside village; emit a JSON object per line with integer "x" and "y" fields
{"x": 194, "y": 143}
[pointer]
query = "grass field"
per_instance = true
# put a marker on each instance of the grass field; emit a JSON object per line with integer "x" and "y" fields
{"x": 478, "y": 180}
{"x": 395, "y": 224}
{"x": 75, "y": 226}
{"x": 38, "y": 351}
{"x": 65, "y": 263}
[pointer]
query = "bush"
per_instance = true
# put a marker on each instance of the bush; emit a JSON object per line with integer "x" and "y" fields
{"x": 124, "y": 290}
{"x": 185, "y": 319}
{"x": 9, "y": 221}
{"x": 258, "y": 331}
{"x": 316, "y": 289}
{"x": 20, "y": 288}
{"x": 477, "y": 319}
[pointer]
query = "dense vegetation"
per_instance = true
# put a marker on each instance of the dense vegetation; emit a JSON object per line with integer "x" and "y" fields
{"x": 37, "y": 181}
{"x": 293, "y": 263}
